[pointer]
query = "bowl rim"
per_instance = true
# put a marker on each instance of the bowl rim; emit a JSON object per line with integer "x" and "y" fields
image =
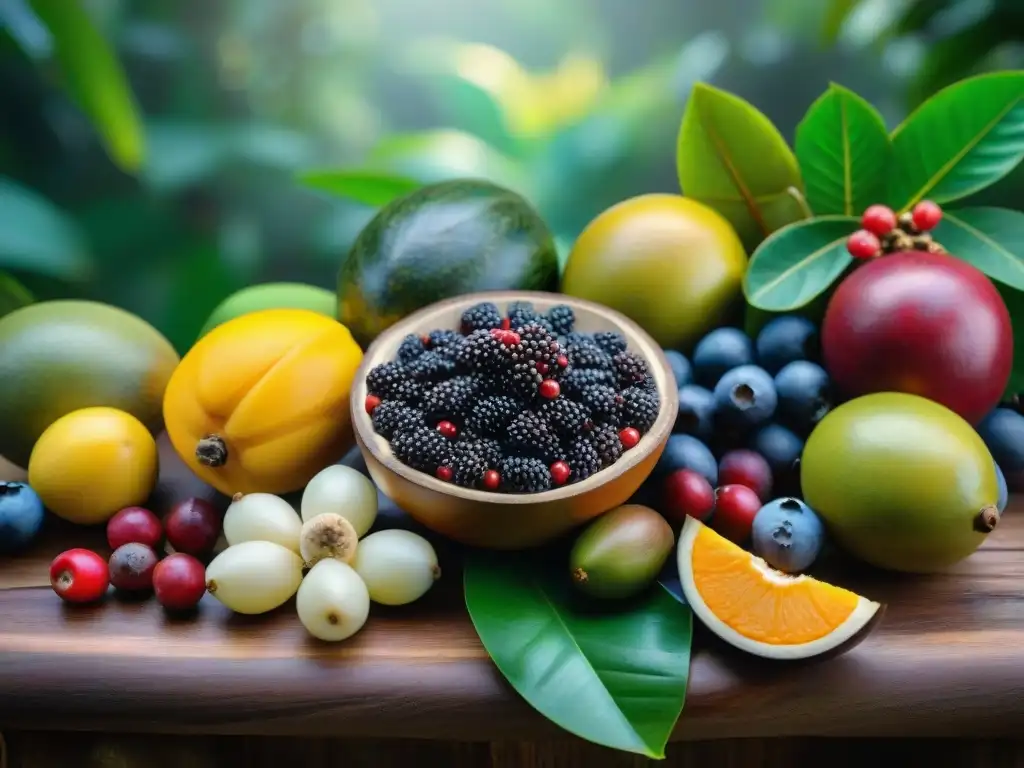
{"x": 650, "y": 350}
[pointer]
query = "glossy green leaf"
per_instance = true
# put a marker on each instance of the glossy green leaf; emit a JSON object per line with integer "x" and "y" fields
{"x": 614, "y": 678}
{"x": 963, "y": 139}
{"x": 796, "y": 264}
{"x": 37, "y": 237}
{"x": 368, "y": 187}
{"x": 94, "y": 78}
{"x": 992, "y": 239}
{"x": 730, "y": 157}
{"x": 13, "y": 295}
{"x": 1014, "y": 300}
{"x": 843, "y": 149}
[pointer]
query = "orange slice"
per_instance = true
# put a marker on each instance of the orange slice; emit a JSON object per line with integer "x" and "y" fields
{"x": 750, "y": 605}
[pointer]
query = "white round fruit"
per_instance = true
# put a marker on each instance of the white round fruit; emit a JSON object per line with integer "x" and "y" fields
{"x": 344, "y": 491}
{"x": 262, "y": 517}
{"x": 397, "y": 566}
{"x": 332, "y": 602}
{"x": 254, "y": 576}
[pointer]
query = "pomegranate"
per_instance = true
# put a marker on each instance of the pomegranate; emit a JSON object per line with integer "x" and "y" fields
{"x": 923, "y": 323}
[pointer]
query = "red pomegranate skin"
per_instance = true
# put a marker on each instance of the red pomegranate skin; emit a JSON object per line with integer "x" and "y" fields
{"x": 923, "y": 323}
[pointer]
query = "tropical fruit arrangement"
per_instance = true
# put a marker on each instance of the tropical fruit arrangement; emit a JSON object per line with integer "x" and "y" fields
{"x": 843, "y": 370}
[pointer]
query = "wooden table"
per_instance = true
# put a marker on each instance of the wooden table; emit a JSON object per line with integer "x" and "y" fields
{"x": 946, "y": 661}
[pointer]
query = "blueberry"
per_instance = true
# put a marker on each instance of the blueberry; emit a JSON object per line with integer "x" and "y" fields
{"x": 720, "y": 351}
{"x": 696, "y": 415}
{"x": 681, "y": 368}
{"x": 687, "y": 452}
{"x": 21, "y": 516}
{"x": 745, "y": 396}
{"x": 1004, "y": 493}
{"x": 788, "y": 535}
{"x": 805, "y": 394}
{"x": 781, "y": 447}
{"x": 785, "y": 340}
{"x": 1003, "y": 433}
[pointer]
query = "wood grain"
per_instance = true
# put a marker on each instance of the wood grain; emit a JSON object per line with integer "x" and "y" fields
{"x": 947, "y": 660}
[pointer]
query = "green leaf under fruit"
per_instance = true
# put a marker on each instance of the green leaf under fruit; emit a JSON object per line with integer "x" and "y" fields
{"x": 843, "y": 149}
{"x": 94, "y": 78}
{"x": 730, "y": 157}
{"x": 368, "y": 187}
{"x": 963, "y": 139}
{"x": 992, "y": 239}
{"x": 37, "y": 237}
{"x": 13, "y": 295}
{"x": 616, "y": 679}
{"x": 1014, "y": 300}
{"x": 799, "y": 262}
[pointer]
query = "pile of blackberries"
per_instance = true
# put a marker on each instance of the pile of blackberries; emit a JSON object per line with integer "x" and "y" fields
{"x": 513, "y": 402}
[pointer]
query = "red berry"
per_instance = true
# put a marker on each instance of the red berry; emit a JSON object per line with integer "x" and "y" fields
{"x": 193, "y": 526}
{"x": 863, "y": 245}
{"x": 878, "y": 220}
{"x": 549, "y": 389}
{"x": 79, "y": 576}
{"x": 563, "y": 361}
{"x": 685, "y": 492}
{"x": 743, "y": 467}
{"x": 510, "y": 339}
{"x": 506, "y": 323}
{"x": 491, "y": 479}
{"x": 425, "y": 339}
{"x": 447, "y": 429}
{"x": 179, "y": 582}
{"x": 560, "y": 472}
{"x": 134, "y": 524}
{"x": 131, "y": 567}
{"x": 629, "y": 437}
{"x": 372, "y": 401}
{"x": 444, "y": 473}
{"x": 542, "y": 367}
{"x": 926, "y": 215}
{"x": 735, "y": 507}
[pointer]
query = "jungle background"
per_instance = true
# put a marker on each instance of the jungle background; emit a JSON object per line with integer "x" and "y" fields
{"x": 153, "y": 152}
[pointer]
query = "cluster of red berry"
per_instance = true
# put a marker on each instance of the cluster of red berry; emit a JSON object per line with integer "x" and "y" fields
{"x": 880, "y": 221}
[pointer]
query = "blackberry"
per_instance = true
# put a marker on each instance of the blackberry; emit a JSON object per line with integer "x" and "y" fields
{"x": 565, "y": 416}
{"x": 639, "y": 408}
{"x": 487, "y": 448}
{"x": 479, "y": 351}
{"x": 410, "y": 348}
{"x": 430, "y": 366}
{"x": 523, "y": 474}
{"x": 452, "y": 399}
{"x": 607, "y": 444}
{"x": 630, "y": 369}
{"x": 603, "y": 401}
{"x": 522, "y": 313}
{"x": 530, "y": 435}
{"x": 444, "y": 342}
{"x": 536, "y": 344}
{"x": 561, "y": 318}
{"x": 421, "y": 448}
{"x": 577, "y": 379}
{"x": 480, "y": 317}
{"x": 586, "y": 354}
{"x": 391, "y": 381}
{"x": 611, "y": 342}
{"x": 491, "y": 416}
{"x": 393, "y": 415}
{"x": 468, "y": 466}
{"x": 584, "y": 460}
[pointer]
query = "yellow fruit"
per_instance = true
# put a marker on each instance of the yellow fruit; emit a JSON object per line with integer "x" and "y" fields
{"x": 92, "y": 462}
{"x": 762, "y": 611}
{"x": 260, "y": 404}
{"x": 669, "y": 263}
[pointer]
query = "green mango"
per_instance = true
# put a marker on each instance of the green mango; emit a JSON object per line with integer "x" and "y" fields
{"x": 272, "y": 296}
{"x": 902, "y": 482}
{"x": 621, "y": 552}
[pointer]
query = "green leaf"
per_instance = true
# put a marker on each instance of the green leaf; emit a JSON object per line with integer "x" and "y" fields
{"x": 37, "y": 237}
{"x": 13, "y": 295}
{"x": 836, "y": 15}
{"x": 1014, "y": 301}
{"x": 616, "y": 679}
{"x": 963, "y": 139}
{"x": 796, "y": 264}
{"x": 94, "y": 77}
{"x": 843, "y": 149}
{"x": 730, "y": 157}
{"x": 992, "y": 239}
{"x": 368, "y": 187}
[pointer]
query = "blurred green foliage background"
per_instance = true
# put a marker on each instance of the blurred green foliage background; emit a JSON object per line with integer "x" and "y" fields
{"x": 152, "y": 152}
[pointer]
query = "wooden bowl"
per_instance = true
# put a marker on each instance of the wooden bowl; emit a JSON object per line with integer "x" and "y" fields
{"x": 501, "y": 520}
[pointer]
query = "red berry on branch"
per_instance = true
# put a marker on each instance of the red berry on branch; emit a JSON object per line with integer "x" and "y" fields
{"x": 879, "y": 220}
{"x": 629, "y": 437}
{"x": 372, "y": 401}
{"x": 863, "y": 245}
{"x": 444, "y": 473}
{"x": 549, "y": 389}
{"x": 560, "y": 472}
{"x": 926, "y": 215}
{"x": 492, "y": 480}
{"x": 447, "y": 429}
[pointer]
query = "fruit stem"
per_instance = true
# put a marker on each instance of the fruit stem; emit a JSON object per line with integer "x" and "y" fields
{"x": 211, "y": 587}
{"x": 212, "y": 451}
{"x": 435, "y": 571}
{"x": 579, "y": 576}
{"x": 987, "y": 519}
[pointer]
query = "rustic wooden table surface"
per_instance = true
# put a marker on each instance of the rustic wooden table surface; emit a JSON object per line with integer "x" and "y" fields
{"x": 946, "y": 661}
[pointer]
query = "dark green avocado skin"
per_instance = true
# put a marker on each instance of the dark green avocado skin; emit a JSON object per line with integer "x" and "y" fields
{"x": 442, "y": 240}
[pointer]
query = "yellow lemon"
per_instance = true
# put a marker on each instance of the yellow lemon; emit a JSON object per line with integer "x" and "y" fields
{"x": 92, "y": 462}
